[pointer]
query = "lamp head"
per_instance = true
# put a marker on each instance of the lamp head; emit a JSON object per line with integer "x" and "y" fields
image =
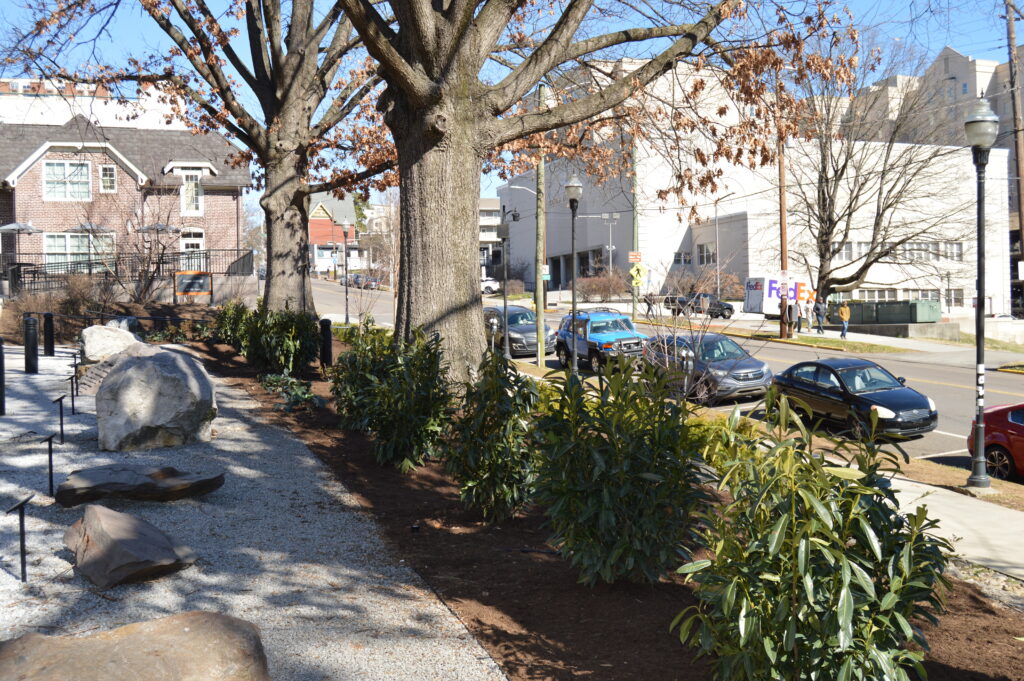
{"x": 573, "y": 188}
{"x": 981, "y": 125}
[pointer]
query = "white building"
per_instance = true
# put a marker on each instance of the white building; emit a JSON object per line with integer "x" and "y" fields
{"x": 744, "y": 239}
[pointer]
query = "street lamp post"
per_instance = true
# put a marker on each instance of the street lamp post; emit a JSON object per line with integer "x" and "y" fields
{"x": 345, "y": 226}
{"x": 981, "y": 128}
{"x": 573, "y": 192}
{"x": 503, "y": 234}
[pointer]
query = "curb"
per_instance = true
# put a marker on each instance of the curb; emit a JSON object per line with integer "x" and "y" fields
{"x": 1011, "y": 371}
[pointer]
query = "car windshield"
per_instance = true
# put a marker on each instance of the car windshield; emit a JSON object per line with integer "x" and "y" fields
{"x": 516, "y": 318}
{"x": 611, "y": 325}
{"x": 718, "y": 349}
{"x": 866, "y": 379}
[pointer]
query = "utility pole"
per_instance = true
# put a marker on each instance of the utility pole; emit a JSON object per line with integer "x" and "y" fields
{"x": 636, "y": 221}
{"x": 784, "y": 239}
{"x": 1018, "y": 133}
{"x": 540, "y": 255}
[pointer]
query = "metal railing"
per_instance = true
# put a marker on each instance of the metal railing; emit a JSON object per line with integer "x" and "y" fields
{"x": 29, "y": 272}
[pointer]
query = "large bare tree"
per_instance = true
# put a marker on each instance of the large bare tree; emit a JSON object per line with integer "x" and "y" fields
{"x": 279, "y": 76}
{"x": 868, "y": 184}
{"x": 448, "y": 104}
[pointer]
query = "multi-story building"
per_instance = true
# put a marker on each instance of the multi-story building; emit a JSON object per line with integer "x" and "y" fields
{"x": 490, "y": 244}
{"x": 736, "y": 231}
{"x": 92, "y": 185}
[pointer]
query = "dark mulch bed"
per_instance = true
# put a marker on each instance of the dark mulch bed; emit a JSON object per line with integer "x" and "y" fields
{"x": 523, "y": 603}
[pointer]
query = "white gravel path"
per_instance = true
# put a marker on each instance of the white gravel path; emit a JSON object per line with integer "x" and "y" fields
{"x": 282, "y": 545}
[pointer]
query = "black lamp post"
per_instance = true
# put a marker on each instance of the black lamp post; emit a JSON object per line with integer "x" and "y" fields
{"x": 345, "y": 226}
{"x": 981, "y": 128}
{"x": 503, "y": 234}
{"x": 573, "y": 192}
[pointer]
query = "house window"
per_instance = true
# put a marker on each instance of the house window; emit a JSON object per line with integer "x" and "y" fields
{"x": 921, "y": 293}
{"x": 63, "y": 248}
{"x": 877, "y": 295}
{"x": 706, "y": 254}
{"x": 842, "y": 252}
{"x": 66, "y": 181}
{"x": 108, "y": 179}
{"x": 963, "y": 89}
{"x": 922, "y": 251}
{"x": 955, "y": 250}
{"x": 191, "y": 193}
{"x": 682, "y": 258}
{"x": 954, "y": 297}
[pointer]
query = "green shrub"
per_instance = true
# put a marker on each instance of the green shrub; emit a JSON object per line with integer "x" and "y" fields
{"x": 396, "y": 390}
{"x": 231, "y": 324}
{"x": 816, "y": 574}
{"x": 620, "y": 484}
{"x": 491, "y": 454}
{"x": 280, "y": 341}
{"x": 297, "y": 394}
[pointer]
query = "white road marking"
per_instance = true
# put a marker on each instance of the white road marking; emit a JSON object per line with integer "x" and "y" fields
{"x": 949, "y": 453}
{"x": 942, "y": 432}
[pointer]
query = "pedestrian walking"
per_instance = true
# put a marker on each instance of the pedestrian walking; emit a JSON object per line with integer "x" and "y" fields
{"x": 800, "y": 317}
{"x": 844, "y": 317}
{"x": 649, "y": 301}
{"x": 809, "y": 313}
{"x": 819, "y": 312}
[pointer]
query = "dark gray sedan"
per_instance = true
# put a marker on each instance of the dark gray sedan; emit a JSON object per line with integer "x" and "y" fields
{"x": 522, "y": 334}
{"x": 718, "y": 369}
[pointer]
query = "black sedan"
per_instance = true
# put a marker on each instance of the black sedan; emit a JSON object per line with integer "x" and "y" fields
{"x": 848, "y": 390}
{"x": 522, "y": 336}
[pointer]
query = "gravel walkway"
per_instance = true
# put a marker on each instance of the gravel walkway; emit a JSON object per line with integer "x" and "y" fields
{"x": 282, "y": 545}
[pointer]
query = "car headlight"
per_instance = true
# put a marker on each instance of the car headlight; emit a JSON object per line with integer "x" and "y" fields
{"x": 516, "y": 336}
{"x": 931, "y": 404}
{"x": 720, "y": 373}
{"x": 883, "y": 413}
{"x": 767, "y": 371}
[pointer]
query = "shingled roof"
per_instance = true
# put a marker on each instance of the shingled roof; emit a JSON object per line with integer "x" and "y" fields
{"x": 148, "y": 150}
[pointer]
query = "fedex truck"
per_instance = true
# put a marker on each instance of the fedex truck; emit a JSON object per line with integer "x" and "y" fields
{"x": 762, "y": 294}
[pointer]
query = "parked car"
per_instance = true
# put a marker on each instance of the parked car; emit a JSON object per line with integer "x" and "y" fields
{"x": 489, "y": 286}
{"x": 601, "y": 334}
{"x": 1004, "y": 441}
{"x": 363, "y": 281}
{"x": 522, "y": 336}
{"x": 701, "y": 303}
{"x": 719, "y": 367}
{"x": 847, "y": 390}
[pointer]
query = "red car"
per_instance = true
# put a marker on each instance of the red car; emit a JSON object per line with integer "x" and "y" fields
{"x": 1004, "y": 441}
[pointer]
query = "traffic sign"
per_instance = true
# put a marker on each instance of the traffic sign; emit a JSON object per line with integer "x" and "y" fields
{"x": 545, "y": 271}
{"x": 634, "y": 256}
{"x": 545, "y": 277}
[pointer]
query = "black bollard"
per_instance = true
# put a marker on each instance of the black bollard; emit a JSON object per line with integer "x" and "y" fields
{"x": 31, "y": 345}
{"x": 74, "y": 389}
{"x": 325, "y": 343}
{"x": 3, "y": 391}
{"x": 20, "y": 508}
{"x": 48, "y": 334}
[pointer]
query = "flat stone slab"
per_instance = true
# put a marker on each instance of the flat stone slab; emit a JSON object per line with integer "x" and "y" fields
{"x": 111, "y": 548}
{"x": 126, "y": 481}
{"x": 191, "y": 646}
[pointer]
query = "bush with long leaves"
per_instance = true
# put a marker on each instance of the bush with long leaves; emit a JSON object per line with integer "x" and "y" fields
{"x": 815, "y": 574}
{"x": 491, "y": 454}
{"x": 620, "y": 481}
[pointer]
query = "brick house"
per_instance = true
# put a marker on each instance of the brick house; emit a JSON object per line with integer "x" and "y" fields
{"x": 98, "y": 192}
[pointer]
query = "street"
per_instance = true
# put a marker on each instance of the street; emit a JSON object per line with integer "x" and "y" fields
{"x": 329, "y": 297}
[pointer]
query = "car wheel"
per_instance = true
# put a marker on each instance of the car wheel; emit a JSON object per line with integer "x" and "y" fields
{"x": 563, "y": 355}
{"x": 999, "y": 463}
{"x": 726, "y": 314}
{"x": 855, "y": 428}
{"x": 596, "y": 361}
{"x": 488, "y": 290}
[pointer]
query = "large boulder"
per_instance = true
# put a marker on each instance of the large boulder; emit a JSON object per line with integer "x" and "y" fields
{"x": 100, "y": 342}
{"x": 111, "y": 548}
{"x": 152, "y": 398}
{"x": 128, "y": 481}
{"x": 191, "y": 646}
{"x": 127, "y": 323}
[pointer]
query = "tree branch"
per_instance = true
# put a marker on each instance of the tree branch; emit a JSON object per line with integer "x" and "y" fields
{"x": 350, "y": 179}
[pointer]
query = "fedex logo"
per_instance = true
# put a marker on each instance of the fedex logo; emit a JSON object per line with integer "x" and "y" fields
{"x": 754, "y": 285}
{"x": 797, "y": 290}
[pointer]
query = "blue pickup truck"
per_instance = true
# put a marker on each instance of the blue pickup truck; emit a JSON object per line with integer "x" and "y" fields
{"x": 601, "y": 334}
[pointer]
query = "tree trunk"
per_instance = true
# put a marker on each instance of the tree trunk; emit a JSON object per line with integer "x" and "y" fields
{"x": 439, "y": 277}
{"x": 285, "y": 204}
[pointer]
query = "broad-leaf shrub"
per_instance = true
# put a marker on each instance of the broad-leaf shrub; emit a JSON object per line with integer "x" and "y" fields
{"x": 396, "y": 390}
{"x": 231, "y": 324}
{"x": 620, "y": 484}
{"x": 816, "y": 573}
{"x": 491, "y": 453}
{"x": 281, "y": 341}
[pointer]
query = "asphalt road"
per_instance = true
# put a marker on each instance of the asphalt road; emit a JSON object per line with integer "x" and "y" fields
{"x": 329, "y": 297}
